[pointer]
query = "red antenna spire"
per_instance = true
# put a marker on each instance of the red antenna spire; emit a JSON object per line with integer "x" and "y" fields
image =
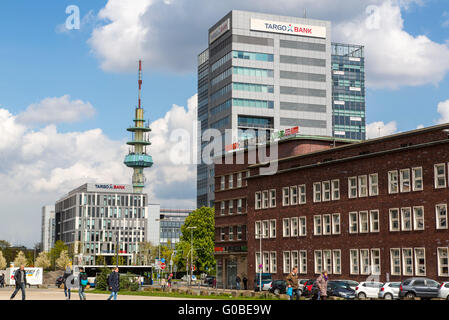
{"x": 140, "y": 80}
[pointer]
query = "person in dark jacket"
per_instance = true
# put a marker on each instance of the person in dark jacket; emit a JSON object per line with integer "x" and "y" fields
{"x": 83, "y": 281}
{"x": 68, "y": 282}
{"x": 245, "y": 283}
{"x": 2, "y": 280}
{"x": 114, "y": 284}
{"x": 237, "y": 282}
{"x": 20, "y": 278}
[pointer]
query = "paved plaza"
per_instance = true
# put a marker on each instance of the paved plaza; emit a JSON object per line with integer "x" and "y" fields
{"x": 58, "y": 294}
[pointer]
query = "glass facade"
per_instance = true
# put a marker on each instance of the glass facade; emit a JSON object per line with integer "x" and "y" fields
{"x": 348, "y": 91}
{"x": 252, "y": 56}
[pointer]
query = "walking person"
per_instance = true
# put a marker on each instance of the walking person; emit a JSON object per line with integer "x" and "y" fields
{"x": 214, "y": 283}
{"x": 68, "y": 282}
{"x": 83, "y": 281}
{"x": 163, "y": 284}
{"x": 2, "y": 280}
{"x": 292, "y": 282}
{"x": 237, "y": 282}
{"x": 20, "y": 278}
{"x": 321, "y": 283}
{"x": 170, "y": 276}
{"x": 114, "y": 284}
{"x": 245, "y": 283}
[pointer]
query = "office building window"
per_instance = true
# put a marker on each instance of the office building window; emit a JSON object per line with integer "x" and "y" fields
{"x": 352, "y": 187}
{"x": 327, "y": 224}
{"x": 317, "y": 192}
{"x": 258, "y": 197}
{"x": 231, "y": 233}
{"x": 393, "y": 181}
{"x": 373, "y": 185}
{"x": 405, "y": 180}
{"x": 441, "y": 215}
{"x": 317, "y": 225}
{"x": 374, "y": 221}
{"x": 231, "y": 181}
{"x": 286, "y": 263}
{"x": 258, "y": 229}
{"x": 336, "y": 262}
{"x": 364, "y": 261}
{"x": 302, "y": 194}
{"x": 336, "y": 223}
{"x": 363, "y": 221}
{"x": 265, "y": 200}
{"x": 336, "y": 189}
{"x": 327, "y": 261}
{"x": 418, "y": 218}
{"x": 406, "y": 219}
{"x": 375, "y": 261}
{"x": 294, "y": 226}
{"x": 239, "y": 180}
{"x": 231, "y": 207}
{"x": 303, "y": 262}
{"x": 222, "y": 182}
{"x": 440, "y": 175}
{"x": 407, "y": 262}
{"x": 417, "y": 179}
{"x": 285, "y": 196}
{"x": 273, "y": 228}
{"x": 302, "y": 226}
{"x": 420, "y": 262}
{"x": 318, "y": 261}
{"x": 353, "y": 222}
{"x": 394, "y": 220}
{"x": 265, "y": 229}
{"x": 294, "y": 258}
{"x": 222, "y": 208}
{"x": 239, "y": 233}
{"x": 363, "y": 186}
{"x": 443, "y": 262}
{"x": 354, "y": 263}
{"x": 395, "y": 261}
{"x": 326, "y": 190}
{"x": 222, "y": 234}
{"x": 239, "y": 206}
{"x": 273, "y": 198}
{"x": 273, "y": 262}
{"x": 293, "y": 195}
{"x": 258, "y": 261}
{"x": 286, "y": 227}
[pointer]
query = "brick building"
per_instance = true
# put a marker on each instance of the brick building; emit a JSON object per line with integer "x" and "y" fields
{"x": 372, "y": 208}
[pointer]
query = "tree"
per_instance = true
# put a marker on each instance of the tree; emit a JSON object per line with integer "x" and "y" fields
{"x": 20, "y": 260}
{"x": 2, "y": 261}
{"x": 63, "y": 261}
{"x": 203, "y": 240}
{"x": 147, "y": 253}
{"x": 55, "y": 252}
{"x": 43, "y": 261}
{"x": 4, "y": 244}
{"x": 101, "y": 279}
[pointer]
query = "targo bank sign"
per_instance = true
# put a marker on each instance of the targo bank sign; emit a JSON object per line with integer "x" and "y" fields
{"x": 288, "y": 28}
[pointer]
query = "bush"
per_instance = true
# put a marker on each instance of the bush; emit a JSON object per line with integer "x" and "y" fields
{"x": 128, "y": 282}
{"x": 101, "y": 280}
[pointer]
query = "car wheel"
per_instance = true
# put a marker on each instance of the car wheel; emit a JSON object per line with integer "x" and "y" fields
{"x": 362, "y": 295}
{"x": 277, "y": 291}
{"x": 410, "y": 295}
{"x": 388, "y": 296}
{"x": 447, "y": 298}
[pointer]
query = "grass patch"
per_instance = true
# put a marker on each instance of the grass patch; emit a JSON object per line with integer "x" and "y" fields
{"x": 182, "y": 295}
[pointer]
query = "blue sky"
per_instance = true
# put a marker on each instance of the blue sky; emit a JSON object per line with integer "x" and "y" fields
{"x": 66, "y": 97}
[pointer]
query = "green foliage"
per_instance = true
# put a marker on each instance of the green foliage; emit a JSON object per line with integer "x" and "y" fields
{"x": 101, "y": 279}
{"x": 121, "y": 260}
{"x": 43, "y": 261}
{"x": 203, "y": 240}
{"x": 21, "y": 260}
{"x": 2, "y": 261}
{"x": 128, "y": 282}
{"x": 55, "y": 252}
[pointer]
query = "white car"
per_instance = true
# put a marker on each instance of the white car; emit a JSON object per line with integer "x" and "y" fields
{"x": 368, "y": 289}
{"x": 444, "y": 291}
{"x": 390, "y": 291}
{"x": 266, "y": 286}
{"x": 301, "y": 284}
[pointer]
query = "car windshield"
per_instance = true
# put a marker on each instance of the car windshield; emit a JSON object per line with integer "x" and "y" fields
{"x": 342, "y": 285}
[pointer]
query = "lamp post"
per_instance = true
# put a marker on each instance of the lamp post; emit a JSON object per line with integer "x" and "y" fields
{"x": 191, "y": 254}
{"x": 117, "y": 247}
{"x": 260, "y": 235}
{"x": 159, "y": 255}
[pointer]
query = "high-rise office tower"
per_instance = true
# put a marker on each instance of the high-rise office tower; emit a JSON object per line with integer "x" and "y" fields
{"x": 266, "y": 73}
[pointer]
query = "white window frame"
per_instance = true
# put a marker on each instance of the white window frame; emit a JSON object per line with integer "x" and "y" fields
{"x": 353, "y": 223}
{"x": 441, "y": 265}
{"x": 258, "y": 258}
{"x": 302, "y": 226}
{"x": 231, "y": 181}
{"x": 258, "y": 200}
{"x": 363, "y": 186}
{"x": 364, "y": 264}
{"x": 373, "y": 185}
{"x": 239, "y": 233}
{"x": 265, "y": 199}
{"x": 302, "y": 262}
{"x": 293, "y": 195}
{"x": 415, "y": 218}
{"x": 317, "y": 232}
{"x": 294, "y": 256}
{"x": 286, "y": 227}
{"x": 294, "y": 225}
{"x": 317, "y": 192}
{"x": 375, "y": 266}
{"x": 222, "y": 208}
{"x": 374, "y": 217}
{"x": 335, "y": 186}
{"x": 222, "y": 183}
{"x": 239, "y": 205}
{"x": 327, "y": 224}
{"x": 404, "y": 181}
{"x": 336, "y": 223}
{"x": 398, "y": 218}
{"x": 326, "y": 189}
{"x": 354, "y": 266}
{"x": 239, "y": 179}
{"x": 362, "y": 213}
{"x": 327, "y": 261}
{"x": 394, "y": 263}
{"x": 403, "y": 219}
{"x": 352, "y": 187}
{"x": 438, "y": 176}
{"x": 286, "y": 262}
{"x": 273, "y": 228}
{"x": 418, "y": 272}
{"x": 318, "y": 261}
{"x": 231, "y": 233}
{"x": 266, "y": 262}
{"x": 266, "y": 229}
{"x": 222, "y": 234}
{"x": 416, "y": 179}
{"x": 336, "y": 261}
{"x": 393, "y": 182}
{"x": 257, "y": 229}
{"x": 231, "y": 206}
{"x": 302, "y": 194}
{"x": 404, "y": 264}
{"x": 438, "y": 217}
{"x": 273, "y": 262}
{"x": 286, "y": 196}
{"x": 272, "y": 198}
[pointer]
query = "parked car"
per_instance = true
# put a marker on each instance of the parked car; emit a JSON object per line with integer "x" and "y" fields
{"x": 336, "y": 289}
{"x": 368, "y": 289}
{"x": 266, "y": 286}
{"x": 266, "y": 278}
{"x": 307, "y": 290}
{"x": 389, "y": 291}
{"x": 59, "y": 281}
{"x": 209, "y": 280}
{"x": 423, "y": 288}
{"x": 444, "y": 291}
{"x": 351, "y": 283}
{"x": 278, "y": 286}
{"x": 301, "y": 283}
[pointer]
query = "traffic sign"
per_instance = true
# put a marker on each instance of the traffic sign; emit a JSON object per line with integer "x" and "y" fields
{"x": 163, "y": 260}
{"x": 162, "y": 266}
{"x": 260, "y": 266}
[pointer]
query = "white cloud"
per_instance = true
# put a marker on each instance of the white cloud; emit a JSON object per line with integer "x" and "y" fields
{"x": 443, "y": 110}
{"x": 38, "y": 166}
{"x": 380, "y": 129}
{"x": 56, "y": 110}
{"x": 168, "y": 35}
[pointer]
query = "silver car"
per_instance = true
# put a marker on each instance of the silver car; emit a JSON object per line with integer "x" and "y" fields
{"x": 390, "y": 291}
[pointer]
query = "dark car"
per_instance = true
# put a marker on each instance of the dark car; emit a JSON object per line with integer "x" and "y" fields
{"x": 423, "y": 288}
{"x": 266, "y": 278}
{"x": 59, "y": 281}
{"x": 307, "y": 290}
{"x": 209, "y": 280}
{"x": 336, "y": 289}
{"x": 278, "y": 287}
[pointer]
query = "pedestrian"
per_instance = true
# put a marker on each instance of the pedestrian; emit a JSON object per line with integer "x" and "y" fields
{"x": 170, "y": 276}
{"x": 163, "y": 284}
{"x": 245, "y": 282}
{"x": 83, "y": 281}
{"x": 20, "y": 278}
{"x": 237, "y": 282}
{"x": 114, "y": 284}
{"x": 2, "y": 280}
{"x": 214, "y": 283}
{"x": 68, "y": 282}
{"x": 321, "y": 283}
{"x": 292, "y": 282}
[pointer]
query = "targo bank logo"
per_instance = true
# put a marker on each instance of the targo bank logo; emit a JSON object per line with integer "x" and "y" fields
{"x": 287, "y": 28}
{"x": 109, "y": 186}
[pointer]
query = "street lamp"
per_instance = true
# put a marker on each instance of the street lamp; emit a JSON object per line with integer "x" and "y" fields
{"x": 191, "y": 254}
{"x": 159, "y": 255}
{"x": 260, "y": 235}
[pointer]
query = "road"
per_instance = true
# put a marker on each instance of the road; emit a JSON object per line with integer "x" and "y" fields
{"x": 58, "y": 294}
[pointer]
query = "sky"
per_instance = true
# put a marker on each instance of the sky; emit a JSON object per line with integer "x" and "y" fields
{"x": 67, "y": 94}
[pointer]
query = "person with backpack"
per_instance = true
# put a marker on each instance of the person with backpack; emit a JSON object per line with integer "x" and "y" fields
{"x": 68, "y": 282}
{"x": 83, "y": 282}
{"x": 114, "y": 283}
